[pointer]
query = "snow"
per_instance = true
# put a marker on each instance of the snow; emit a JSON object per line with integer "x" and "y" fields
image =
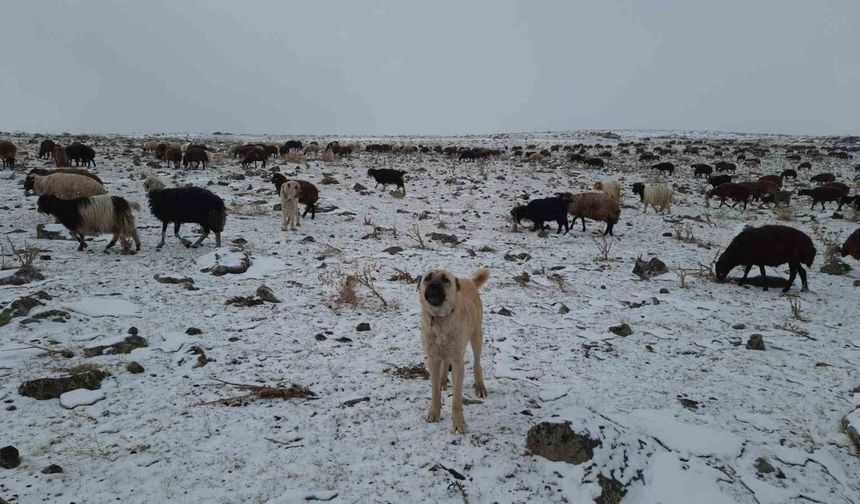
{"x": 81, "y": 397}
{"x": 155, "y": 430}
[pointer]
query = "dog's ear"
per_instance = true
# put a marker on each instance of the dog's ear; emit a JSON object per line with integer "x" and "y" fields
{"x": 418, "y": 283}
{"x": 457, "y": 283}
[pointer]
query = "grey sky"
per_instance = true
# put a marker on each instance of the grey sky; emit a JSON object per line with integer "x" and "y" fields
{"x": 441, "y": 67}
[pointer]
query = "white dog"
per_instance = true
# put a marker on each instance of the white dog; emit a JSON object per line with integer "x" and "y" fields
{"x": 290, "y": 191}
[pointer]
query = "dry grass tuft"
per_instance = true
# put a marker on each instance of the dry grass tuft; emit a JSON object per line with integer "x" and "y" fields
{"x": 414, "y": 372}
{"x": 261, "y": 392}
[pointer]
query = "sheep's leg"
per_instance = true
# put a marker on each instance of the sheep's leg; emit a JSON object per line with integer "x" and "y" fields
{"x": 403, "y": 188}
{"x": 112, "y": 242}
{"x": 217, "y": 238}
{"x": 136, "y": 238}
{"x": 163, "y": 233}
{"x": 802, "y": 273}
{"x": 81, "y": 243}
{"x": 202, "y": 237}
{"x": 746, "y": 274}
{"x": 307, "y": 209}
{"x": 313, "y": 211}
{"x": 583, "y": 224}
{"x": 176, "y": 226}
{"x": 792, "y": 273}
{"x": 763, "y": 275}
{"x": 609, "y": 227}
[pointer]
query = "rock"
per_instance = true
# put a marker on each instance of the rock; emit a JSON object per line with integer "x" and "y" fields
{"x": 393, "y": 250}
{"x": 24, "y": 275}
{"x": 186, "y": 282}
{"x": 851, "y": 424}
{"x": 52, "y": 388}
{"x": 267, "y": 295}
{"x": 558, "y": 443}
{"x": 277, "y": 207}
{"x": 755, "y": 342}
{"x": 362, "y": 327}
{"x": 621, "y": 329}
{"x": 652, "y": 268}
{"x": 523, "y": 256}
{"x": 202, "y": 359}
{"x": 856, "y": 283}
{"x": 51, "y": 232}
{"x": 52, "y": 469}
{"x": 22, "y": 306}
{"x": 60, "y": 316}
{"x": 343, "y": 339}
{"x": 563, "y": 309}
{"x": 329, "y": 180}
{"x": 193, "y": 331}
{"x": 9, "y": 457}
{"x": 836, "y": 268}
{"x": 81, "y": 397}
{"x": 245, "y": 301}
{"x": 320, "y": 337}
{"x": 132, "y": 330}
{"x": 444, "y": 238}
{"x": 358, "y": 188}
{"x": 125, "y": 346}
{"x": 763, "y": 466}
{"x": 353, "y": 402}
{"x": 221, "y": 263}
{"x": 739, "y": 326}
{"x": 612, "y": 491}
{"x": 664, "y": 291}
{"x": 134, "y": 367}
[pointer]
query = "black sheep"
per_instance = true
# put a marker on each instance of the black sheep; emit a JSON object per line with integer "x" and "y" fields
{"x": 788, "y": 173}
{"x": 736, "y": 192}
{"x": 768, "y": 246}
{"x": 719, "y": 179}
{"x": 543, "y": 210}
{"x": 595, "y": 162}
{"x": 387, "y": 176}
{"x": 195, "y": 155}
{"x": 46, "y": 149}
{"x": 665, "y": 166}
{"x": 186, "y": 204}
{"x": 824, "y": 194}
{"x": 290, "y": 146}
{"x": 823, "y": 178}
{"x": 702, "y": 169}
{"x": 724, "y": 166}
{"x": 81, "y": 154}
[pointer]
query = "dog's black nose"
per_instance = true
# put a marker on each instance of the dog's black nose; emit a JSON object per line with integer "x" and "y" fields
{"x": 434, "y": 294}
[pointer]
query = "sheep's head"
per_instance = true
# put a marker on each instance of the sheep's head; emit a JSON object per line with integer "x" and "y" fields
{"x": 639, "y": 188}
{"x": 370, "y": 172}
{"x": 29, "y": 184}
{"x": 723, "y": 267}
{"x": 152, "y": 183}
{"x": 278, "y": 180}
{"x": 47, "y": 203}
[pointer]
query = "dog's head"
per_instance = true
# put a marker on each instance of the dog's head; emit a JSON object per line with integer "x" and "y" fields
{"x": 437, "y": 292}
{"x": 291, "y": 189}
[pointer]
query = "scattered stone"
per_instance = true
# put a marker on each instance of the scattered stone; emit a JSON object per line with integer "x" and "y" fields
{"x": 856, "y": 283}
{"x": 22, "y": 306}
{"x": 851, "y": 424}
{"x": 558, "y": 443}
{"x": 418, "y": 371}
{"x": 309, "y": 239}
{"x": 24, "y": 275}
{"x": 320, "y": 337}
{"x": 621, "y": 329}
{"x": 193, "y": 331}
{"x": 52, "y": 388}
{"x": 353, "y": 402}
{"x": 245, "y": 301}
{"x": 755, "y": 342}
{"x": 612, "y": 491}
{"x": 836, "y": 268}
{"x": 358, "y": 188}
{"x": 393, "y": 250}
{"x": 362, "y": 327}
{"x": 235, "y": 262}
{"x": 60, "y": 316}
{"x": 763, "y": 466}
{"x": 132, "y": 330}
{"x": 186, "y": 282}
{"x": 343, "y": 339}
{"x": 523, "y": 256}
{"x": 9, "y": 457}
{"x": 202, "y": 359}
{"x": 563, "y": 309}
{"x": 134, "y": 367}
{"x": 267, "y": 295}
{"x": 329, "y": 180}
{"x": 52, "y": 469}
{"x": 649, "y": 269}
{"x": 664, "y": 291}
{"x": 51, "y": 232}
{"x": 125, "y": 346}
{"x": 504, "y": 312}
{"x": 689, "y": 403}
{"x": 739, "y": 326}
{"x": 443, "y": 238}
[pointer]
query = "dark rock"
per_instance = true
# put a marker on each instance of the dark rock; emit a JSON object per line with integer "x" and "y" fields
{"x": 134, "y": 367}
{"x": 353, "y": 402}
{"x": 309, "y": 239}
{"x": 621, "y": 330}
{"x": 562, "y": 309}
{"x": 763, "y": 466}
{"x": 689, "y": 403}
{"x": 664, "y": 291}
{"x": 132, "y": 330}
{"x": 739, "y": 326}
{"x": 245, "y": 301}
{"x": 364, "y": 326}
{"x": 52, "y": 469}
{"x": 123, "y": 347}
{"x": 558, "y": 443}
{"x": 504, "y": 312}
{"x": 277, "y": 207}
{"x": 612, "y": 491}
{"x": 202, "y": 359}
{"x": 223, "y": 269}
{"x": 22, "y": 306}
{"x": 523, "y": 256}
{"x": 852, "y": 431}
{"x": 55, "y": 316}
{"x": 652, "y": 268}
{"x": 329, "y": 180}
{"x": 43, "y": 234}
{"x": 444, "y": 238}
{"x": 9, "y": 457}
{"x": 836, "y": 268}
{"x": 187, "y": 282}
{"x": 267, "y": 295}
{"x": 343, "y": 339}
{"x": 320, "y": 337}
{"x": 52, "y": 388}
{"x": 755, "y": 342}
{"x": 24, "y": 275}
{"x": 358, "y": 188}
{"x": 193, "y": 331}
{"x": 393, "y": 250}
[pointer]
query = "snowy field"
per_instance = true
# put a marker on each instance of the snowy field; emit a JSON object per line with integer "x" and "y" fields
{"x": 683, "y": 410}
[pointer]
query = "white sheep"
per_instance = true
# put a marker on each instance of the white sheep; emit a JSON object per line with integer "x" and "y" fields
{"x": 290, "y": 191}
{"x": 656, "y": 196}
{"x": 612, "y": 188}
{"x": 67, "y": 186}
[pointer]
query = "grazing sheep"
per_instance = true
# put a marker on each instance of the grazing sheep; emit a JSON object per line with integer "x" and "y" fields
{"x": 387, "y": 176}
{"x": 768, "y": 246}
{"x": 7, "y": 153}
{"x": 61, "y": 159}
{"x": 823, "y": 178}
{"x": 290, "y": 191}
{"x": 702, "y": 169}
{"x": 725, "y": 166}
{"x": 173, "y": 155}
{"x": 788, "y": 173}
{"x": 253, "y": 156}
{"x": 594, "y": 206}
{"x": 466, "y": 155}
{"x": 852, "y": 245}
{"x": 776, "y": 179}
{"x": 64, "y": 185}
{"x": 150, "y": 145}
{"x": 766, "y": 187}
{"x": 719, "y": 180}
{"x": 81, "y": 154}
{"x": 535, "y": 157}
{"x": 646, "y": 157}
{"x": 290, "y": 146}
{"x": 610, "y": 187}
{"x": 752, "y": 162}
{"x": 542, "y": 210}
{"x": 161, "y": 151}
{"x": 665, "y": 166}
{"x": 312, "y": 148}
{"x": 778, "y": 198}
{"x": 308, "y": 193}
{"x": 823, "y": 194}
{"x": 654, "y": 195}
{"x": 595, "y": 161}
{"x": 30, "y": 181}
{"x": 729, "y": 190}
{"x": 94, "y": 215}
{"x": 844, "y": 187}
{"x": 186, "y": 204}
{"x": 195, "y": 155}
{"x": 46, "y": 149}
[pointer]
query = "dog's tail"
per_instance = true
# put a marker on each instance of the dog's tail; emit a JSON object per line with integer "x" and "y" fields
{"x": 480, "y": 277}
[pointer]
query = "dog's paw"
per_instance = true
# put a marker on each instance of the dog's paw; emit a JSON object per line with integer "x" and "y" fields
{"x": 459, "y": 426}
{"x": 444, "y": 384}
{"x": 433, "y": 416}
{"x": 480, "y": 390}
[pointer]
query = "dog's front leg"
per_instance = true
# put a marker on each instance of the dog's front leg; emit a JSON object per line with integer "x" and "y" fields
{"x": 435, "y": 411}
{"x": 457, "y": 408}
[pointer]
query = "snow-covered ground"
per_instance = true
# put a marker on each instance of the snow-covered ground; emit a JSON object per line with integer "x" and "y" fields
{"x": 683, "y": 409}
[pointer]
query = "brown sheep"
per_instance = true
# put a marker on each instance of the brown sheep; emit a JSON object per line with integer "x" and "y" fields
{"x": 7, "y": 153}
{"x": 195, "y": 155}
{"x": 254, "y": 155}
{"x": 768, "y": 246}
{"x": 823, "y": 194}
{"x": 308, "y": 196}
{"x": 596, "y": 206}
{"x": 46, "y": 149}
{"x": 173, "y": 155}
{"x": 852, "y": 245}
{"x": 29, "y": 182}
{"x": 161, "y": 151}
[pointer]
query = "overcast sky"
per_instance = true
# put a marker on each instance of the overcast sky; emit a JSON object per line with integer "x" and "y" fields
{"x": 430, "y": 67}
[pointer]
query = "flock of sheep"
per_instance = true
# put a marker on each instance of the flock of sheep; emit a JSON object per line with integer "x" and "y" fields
{"x": 78, "y": 199}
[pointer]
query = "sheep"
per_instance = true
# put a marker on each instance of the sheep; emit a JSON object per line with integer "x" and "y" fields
{"x": 610, "y": 187}
{"x": 64, "y": 185}
{"x": 719, "y": 180}
{"x": 195, "y": 155}
{"x": 823, "y": 178}
{"x": 30, "y": 181}
{"x": 185, "y": 204}
{"x": 387, "y": 176}
{"x": 852, "y": 245}
{"x": 702, "y": 169}
{"x": 823, "y": 194}
{"x": 844, "y": 187}
{"x": 161, "y": 151}
{"x": 776, "y": 179}
{"x": 594, "y": 206}
{"x": 46, "y": 149}
{"x": 595, "y": 161}
{"x": 656, "y": 196}
{"x": 647, "y": 157}
{"x": 290, "y": 146}
{"x": 252, "y": 156}
{"x": 729, "y": 190}
{"x": 542, "y": 210}
{"x": 308, "y": 193}
{"x": 665, "y": 166}
{"x": 766, "y": 187}
{"x": 724, "y": 166}
{"x": 806, "y": 164}
{"x": 788, "y": 173}
{"x": 311, "y": 149}
{"x": 536, "y": 157}
{"x": 173, "y": 155}
{"x": 94, "y": 215}
{"x": 150, "y": 146}
{"x": 7, "y": 153}
{"x": 81, "y": 154}
{"x": 778, "y": 198}
{"x": 290, "y": 191}
{"x": 768, "y": 246}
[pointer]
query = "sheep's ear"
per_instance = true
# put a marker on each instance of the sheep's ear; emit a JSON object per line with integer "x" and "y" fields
{"x": 457, "y": 283}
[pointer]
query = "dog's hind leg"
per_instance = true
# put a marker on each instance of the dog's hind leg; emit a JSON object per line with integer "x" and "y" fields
{"x": 477, "y": 341}
{"x": 445, "y": 367}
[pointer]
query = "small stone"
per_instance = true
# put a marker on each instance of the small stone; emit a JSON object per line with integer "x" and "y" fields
{"x": 622, "y": 330}
{"x": 856, "y": 283}
{"x": 559, "y": 443}
{"x": 309, "y": 239}
{"x": 836, "y": 268}
{"x": 739, "y": 326}
{"x": 123, "y": 347}
{"x": 504, "y": 312}
{"x": 193, "y": 331}
{"x": 755, "y": 342}
{"x": 364, "y": 326}
{"x": 320, "y": 337}
{"x": 358, "y": 188}
{"x": 134, "y": 367}
{"x": 562, "y": 309}
{"x": 664, "y": 291}
{"x": 763, "y": 466}
{"x": 266, "y": 294}
{"x": 353, "y": 402}
{"x": 132, "y": 330}
{"x": 343, "y": 339}
{"x": 52, "y": 469}
{"x": 9, "y": 457}
{"x": 393, "y": 250}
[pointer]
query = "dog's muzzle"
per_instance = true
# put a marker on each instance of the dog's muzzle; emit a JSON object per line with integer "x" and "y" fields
{"x": 434, "y": 294}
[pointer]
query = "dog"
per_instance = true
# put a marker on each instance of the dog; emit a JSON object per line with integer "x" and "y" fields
{"x": 451, "y": 316}
{"x": 290, "y": 191}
